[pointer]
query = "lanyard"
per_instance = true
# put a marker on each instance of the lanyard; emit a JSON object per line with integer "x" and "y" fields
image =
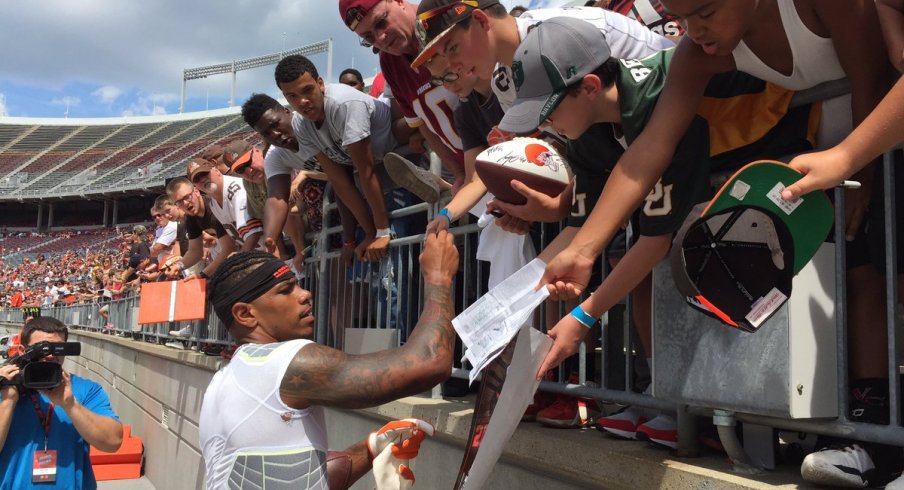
{"x": 45, "y": 420}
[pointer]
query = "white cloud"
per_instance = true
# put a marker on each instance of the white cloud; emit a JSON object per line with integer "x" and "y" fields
{"x": 67, "y": 101}
{"x": 3, "y": 111}
{"x": 150, "y": 105}
{"x": 107, "y": 94}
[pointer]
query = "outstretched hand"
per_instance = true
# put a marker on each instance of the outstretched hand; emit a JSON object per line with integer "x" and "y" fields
{"x": 567, "y": 336}
{"x": 567, "y": 275}
{"x": 822, "y": 170}
{"x": 539, "y": 206}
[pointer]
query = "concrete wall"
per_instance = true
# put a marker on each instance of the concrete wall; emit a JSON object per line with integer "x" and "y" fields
{"x": 158, "y": 391}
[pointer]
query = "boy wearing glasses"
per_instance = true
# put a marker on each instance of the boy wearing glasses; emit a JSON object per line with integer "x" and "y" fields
{"x": 198, "y": 217}
{"x": 480, "y": 37}
{"x": 388, "y": 25}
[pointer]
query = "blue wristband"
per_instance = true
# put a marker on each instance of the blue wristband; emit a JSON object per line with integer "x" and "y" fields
{"x": 582, "y": 317}
{"x": 445, "y": 212}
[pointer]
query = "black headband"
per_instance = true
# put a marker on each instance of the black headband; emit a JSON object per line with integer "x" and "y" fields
{"x": 258, "y": 282}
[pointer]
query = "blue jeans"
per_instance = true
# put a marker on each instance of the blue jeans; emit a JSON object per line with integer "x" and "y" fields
{"x": 389, "y": 277}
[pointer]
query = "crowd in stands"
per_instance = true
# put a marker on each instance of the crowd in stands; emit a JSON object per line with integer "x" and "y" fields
{"x": 456, "y": 86}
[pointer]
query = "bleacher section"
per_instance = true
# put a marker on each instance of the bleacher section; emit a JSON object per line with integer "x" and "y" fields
{"x": 58, "y": 158}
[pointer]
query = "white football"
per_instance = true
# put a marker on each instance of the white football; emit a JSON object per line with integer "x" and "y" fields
{"x": 531, "y": 161}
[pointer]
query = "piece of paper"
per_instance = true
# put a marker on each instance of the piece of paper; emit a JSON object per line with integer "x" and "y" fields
{"x": 507, "y": 389}
{"x": 490, "y": 323}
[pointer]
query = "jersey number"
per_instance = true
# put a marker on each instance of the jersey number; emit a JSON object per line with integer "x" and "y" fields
{"x": 659, "y": 200}
{"x": 231, "y": 190}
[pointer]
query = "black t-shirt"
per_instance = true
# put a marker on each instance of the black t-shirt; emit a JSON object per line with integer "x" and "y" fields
{"x": 475, "y": 117}
{"x": 182, "y": 237}
{"x": 140, "y": 249}
{"x": 194, "y": 225}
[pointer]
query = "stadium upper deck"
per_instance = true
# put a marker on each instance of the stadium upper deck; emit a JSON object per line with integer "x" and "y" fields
{"x": 58, "y": 158}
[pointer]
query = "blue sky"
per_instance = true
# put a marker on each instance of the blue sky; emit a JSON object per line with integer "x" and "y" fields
{"x": 103, "y": 58}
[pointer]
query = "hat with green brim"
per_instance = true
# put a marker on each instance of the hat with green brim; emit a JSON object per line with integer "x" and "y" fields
{"x": 736, "y": 261}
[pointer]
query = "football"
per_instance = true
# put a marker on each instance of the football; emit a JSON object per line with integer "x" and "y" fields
{"x": 532, "y": 161}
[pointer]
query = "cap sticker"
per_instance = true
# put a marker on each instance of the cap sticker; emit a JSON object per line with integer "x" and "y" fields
{"x": 775, "y": 195}
{"x": 739, "y": 190}
{"x": 765, "y": 306}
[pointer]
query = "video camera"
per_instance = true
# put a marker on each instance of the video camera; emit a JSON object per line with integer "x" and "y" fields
{"x": 34, "y": 375}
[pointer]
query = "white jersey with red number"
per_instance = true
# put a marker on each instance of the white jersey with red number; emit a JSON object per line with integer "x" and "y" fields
{"x": 422, "y": 102}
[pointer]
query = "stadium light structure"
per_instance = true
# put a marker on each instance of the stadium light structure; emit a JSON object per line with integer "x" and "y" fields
{"x": 257, "y": 62}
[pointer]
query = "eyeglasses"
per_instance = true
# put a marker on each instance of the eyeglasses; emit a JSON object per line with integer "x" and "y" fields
{"x": 447, "y": 77}
{"x": 155, "y": 216}
{"x": 368, "y": 39}
{"x": 184, "y": 200}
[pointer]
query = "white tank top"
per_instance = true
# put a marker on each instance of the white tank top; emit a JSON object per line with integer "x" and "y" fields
{"x": 814, "y": 57}
{"x": 249, "y": 437}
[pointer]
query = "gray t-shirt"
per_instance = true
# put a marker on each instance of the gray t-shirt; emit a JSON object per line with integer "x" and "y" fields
{"x": 350, "y": 116}
{"x": 280, "y": 161}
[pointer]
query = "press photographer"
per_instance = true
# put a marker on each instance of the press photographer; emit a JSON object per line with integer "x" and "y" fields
{"x": 45, "y": 434}
{"x": 35, "y": 375}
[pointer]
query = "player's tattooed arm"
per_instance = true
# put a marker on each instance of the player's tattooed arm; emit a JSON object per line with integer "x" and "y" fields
{"x": 320, "y": 375}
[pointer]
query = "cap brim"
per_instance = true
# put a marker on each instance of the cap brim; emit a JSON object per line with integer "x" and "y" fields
{"x": 240, "y": 161}
{"x": 431, "y": 48}
{"x": 525, "y": 115}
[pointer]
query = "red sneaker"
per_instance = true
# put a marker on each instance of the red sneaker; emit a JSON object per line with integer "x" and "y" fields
{"x": 541, "y": 401}
{"x": 569, "y": 412}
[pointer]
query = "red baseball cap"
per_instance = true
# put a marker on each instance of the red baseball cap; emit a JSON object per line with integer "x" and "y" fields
{"x": 354, "y": 11}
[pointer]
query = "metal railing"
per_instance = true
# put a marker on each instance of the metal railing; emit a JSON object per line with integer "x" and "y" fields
{"x": 388, "y": 295}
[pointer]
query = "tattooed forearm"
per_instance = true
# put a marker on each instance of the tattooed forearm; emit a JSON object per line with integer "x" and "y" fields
{"x": 324, "y": 376}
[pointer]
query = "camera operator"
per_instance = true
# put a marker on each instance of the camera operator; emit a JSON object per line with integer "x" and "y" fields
{"x": 48, "y": 432}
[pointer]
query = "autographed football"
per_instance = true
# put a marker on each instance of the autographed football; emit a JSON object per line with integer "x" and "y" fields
{"x": 532, "y": 161}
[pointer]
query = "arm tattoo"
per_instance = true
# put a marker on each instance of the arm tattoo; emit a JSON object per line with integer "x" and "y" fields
{"x": 322, "y": 375}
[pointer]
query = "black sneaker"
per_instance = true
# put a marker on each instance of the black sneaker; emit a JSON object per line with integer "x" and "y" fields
{"x": 869, "y": 401}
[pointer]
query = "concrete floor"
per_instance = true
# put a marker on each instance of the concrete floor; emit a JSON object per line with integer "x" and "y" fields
{"x": 141, "y": 484}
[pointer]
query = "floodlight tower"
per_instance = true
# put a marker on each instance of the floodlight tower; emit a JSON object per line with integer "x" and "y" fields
{"x": 257, "y": 62}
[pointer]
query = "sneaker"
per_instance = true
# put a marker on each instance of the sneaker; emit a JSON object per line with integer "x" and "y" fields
{"x": 623, "y": 424}
{"x": 541, "y": 401}
{"x": 419, "y": 181}
{"x": 662, "y": 431}
{"x": 839, "y": 466}
{"x": 212, "y": 349}
{"x": 869, "y": 401}
{"x": 175, "y": 344}
{"x": 897, "y": 484}
{"x": 183, "y": 332}
{"x": 569, "y": 412}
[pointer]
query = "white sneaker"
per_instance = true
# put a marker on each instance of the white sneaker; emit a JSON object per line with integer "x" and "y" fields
{"x": 183, "y": 332}
{"x": 848, "y": 466}
{"x": 896, "y": 484}
{"x": 175, "y": 344}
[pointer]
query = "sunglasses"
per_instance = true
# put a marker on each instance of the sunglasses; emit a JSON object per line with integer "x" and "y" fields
{"x": 242, "y": 168}
{"x": 460, "y": 7}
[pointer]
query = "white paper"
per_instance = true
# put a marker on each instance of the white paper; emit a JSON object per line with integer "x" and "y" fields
{"x": 517, "y": 393}
{"x": 490, "y": 323}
